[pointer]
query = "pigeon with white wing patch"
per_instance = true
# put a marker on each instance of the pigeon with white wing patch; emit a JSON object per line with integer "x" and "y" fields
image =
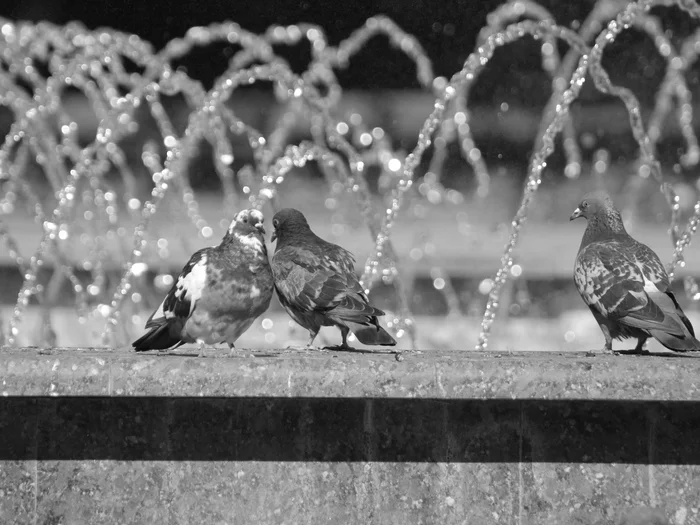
{"x": 219, "y": 292}
{"x": 624, "y": 283}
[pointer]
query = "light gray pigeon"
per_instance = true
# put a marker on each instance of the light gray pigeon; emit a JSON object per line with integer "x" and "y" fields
{"x": 219, "y": 292}
{"x": 624, "y": 283}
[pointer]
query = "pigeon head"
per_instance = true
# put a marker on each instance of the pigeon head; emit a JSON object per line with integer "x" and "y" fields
{"x": 289, "y": 222}
{"x": 594, "y": 205}
{"x": 603, "y": 218}
{"x": 246, "y": 222}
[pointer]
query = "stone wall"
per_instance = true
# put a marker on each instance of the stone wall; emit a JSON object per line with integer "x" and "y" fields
{"x": 99, "y": 436}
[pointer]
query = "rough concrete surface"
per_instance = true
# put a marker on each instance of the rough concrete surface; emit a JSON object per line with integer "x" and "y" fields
{"x": 100, "y": 436}
{"x": 285, "y": 373}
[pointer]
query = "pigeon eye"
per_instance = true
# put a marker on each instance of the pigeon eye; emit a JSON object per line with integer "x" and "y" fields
{"x": 275, "y": 223}
{"x": 584, "y": 204}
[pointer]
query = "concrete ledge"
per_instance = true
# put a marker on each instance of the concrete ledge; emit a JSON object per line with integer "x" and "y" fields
{"x": 275, "y": 373}
{"x": 95, "y": 437}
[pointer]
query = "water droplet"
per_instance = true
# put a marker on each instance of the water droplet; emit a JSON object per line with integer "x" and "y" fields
{"x": 139, "y": 268}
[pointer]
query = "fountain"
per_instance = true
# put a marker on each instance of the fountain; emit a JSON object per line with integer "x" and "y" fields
{"x": 94, "y": 218}
{"x": 98, "y": 191}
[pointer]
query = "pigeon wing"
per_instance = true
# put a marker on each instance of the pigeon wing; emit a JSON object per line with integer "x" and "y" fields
{"x": 663, "y": 311}
{"x": 181, "y": 300}
{"x": 651, "y": 266}
{"x": 355, "y": 303}
{"x": 626, "y": 284}
{"x": 319, "y": 282}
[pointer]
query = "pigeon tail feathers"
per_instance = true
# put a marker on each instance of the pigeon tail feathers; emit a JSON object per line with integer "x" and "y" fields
{"x": 371, "y": 335}
{"x": 663, "y": 319}
{"x": 682, "y": 315}
{"x": 688, "y": 343}
{"x": 158, "y": 338}
{"x": 354, "y": 309}
{"x": 655, "y": 316}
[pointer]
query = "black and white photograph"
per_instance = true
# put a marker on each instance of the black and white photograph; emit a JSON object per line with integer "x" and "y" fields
{"x": 392, "y": 262}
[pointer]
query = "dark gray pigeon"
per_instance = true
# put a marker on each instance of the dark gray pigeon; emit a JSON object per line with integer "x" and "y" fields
{"x": 624, "y": 283}
{"x": 316, "y": 283}
{"x": 219, "y": 292}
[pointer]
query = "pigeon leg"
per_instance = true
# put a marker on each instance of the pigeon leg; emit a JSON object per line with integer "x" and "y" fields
{"x": 607, "y": 349}
{"x": 639, "y": 349}
{"x": 231, "y": 348}
{"x": 313, "y": 332}
{"x": 344, "y": 331}
{"x": 201, "y": 348}
{"x": 312, "y": 336}
{"x": 608, "y": 339}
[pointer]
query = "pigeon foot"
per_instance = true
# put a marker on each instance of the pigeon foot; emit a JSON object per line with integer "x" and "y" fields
{"x": 340, "y": 348}
{"x": 304, "y": 348}
{"x": 634, "y": 351}
{"x": 604, "y": 351}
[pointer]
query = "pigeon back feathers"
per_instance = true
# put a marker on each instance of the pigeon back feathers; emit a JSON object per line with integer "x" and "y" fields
{"x": 320, "y": 282}
{"x": 187, "y": 290}
{"x": 171, "y": 315}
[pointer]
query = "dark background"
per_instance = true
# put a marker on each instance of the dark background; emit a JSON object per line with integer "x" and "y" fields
{"x": 448, "y": 32}
{"x": 446, "y": 29}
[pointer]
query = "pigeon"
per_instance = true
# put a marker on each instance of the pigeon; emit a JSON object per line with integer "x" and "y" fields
{"x": 316, "y": 283}
{"x": 219, "y": 292}
{"x": 624, "y": 283}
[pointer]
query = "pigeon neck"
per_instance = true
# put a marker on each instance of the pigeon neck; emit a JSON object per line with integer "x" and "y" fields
{"x": 292, "y": 234}
{"x": 230, "y": 237}
{"x": 603, "y": 225}
{"x": 227, "y": 240}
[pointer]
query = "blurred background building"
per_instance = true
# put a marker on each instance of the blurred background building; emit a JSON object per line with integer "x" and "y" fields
{"x": 507, "y": 100}
{"x": 455, "y": 247}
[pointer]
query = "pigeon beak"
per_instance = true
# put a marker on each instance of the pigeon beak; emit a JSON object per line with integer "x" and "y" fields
{"x": 274, "y": 236}
{"x": 576, "y": 214}
{"x": 260, "y": 227}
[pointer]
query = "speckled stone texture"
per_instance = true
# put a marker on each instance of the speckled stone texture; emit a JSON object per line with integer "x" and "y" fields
{"x": 96, "y": 437}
